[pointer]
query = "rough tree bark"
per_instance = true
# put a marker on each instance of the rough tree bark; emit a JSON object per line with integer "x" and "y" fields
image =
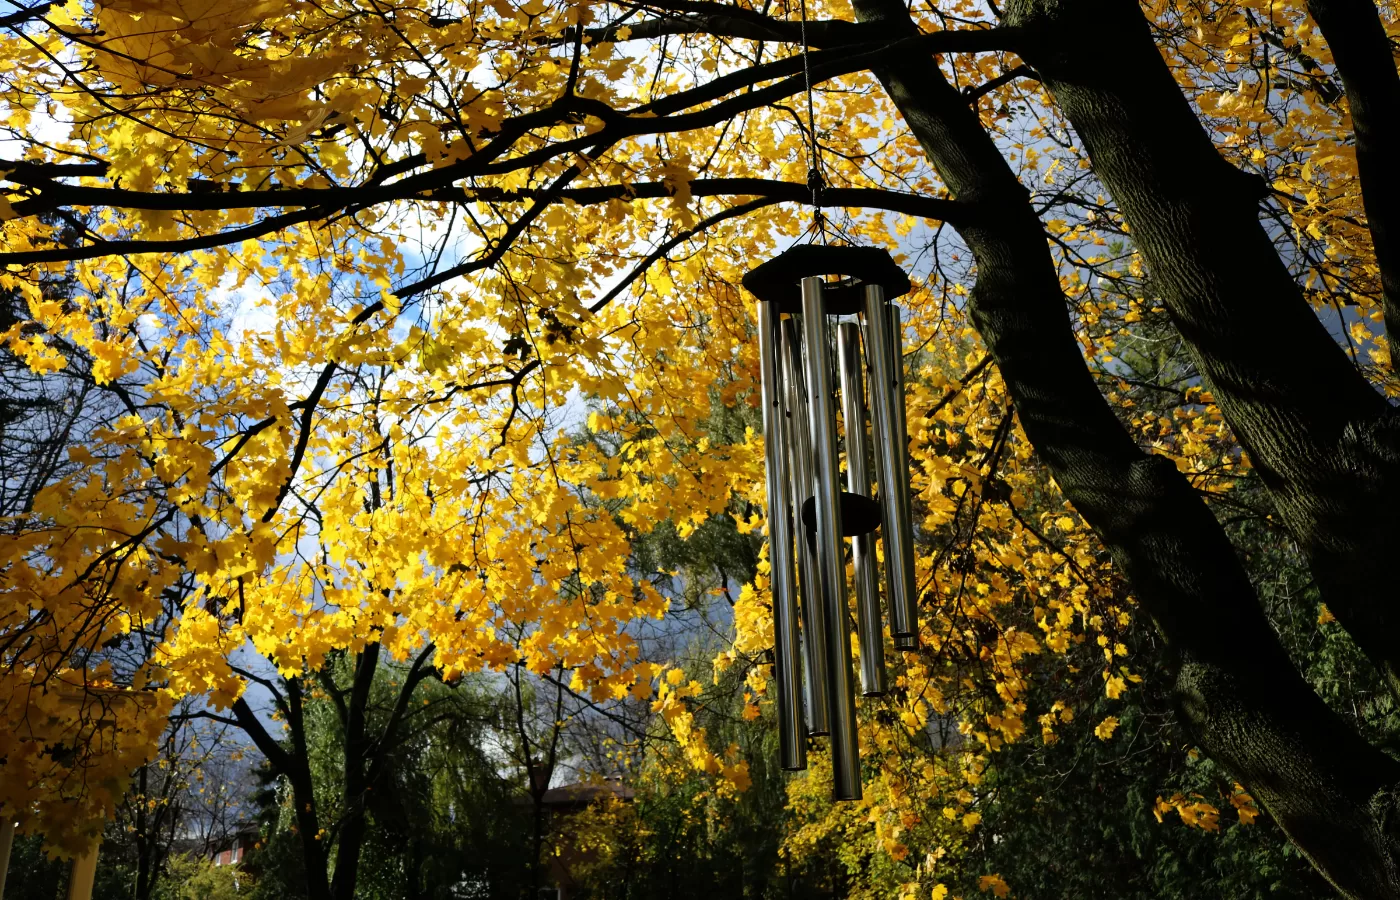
{"x": 1239, "y": 695}
{"x": 1324, "y": 442}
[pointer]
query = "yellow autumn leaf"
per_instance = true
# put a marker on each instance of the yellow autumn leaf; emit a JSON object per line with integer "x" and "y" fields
{"x": 1104, "y": 730}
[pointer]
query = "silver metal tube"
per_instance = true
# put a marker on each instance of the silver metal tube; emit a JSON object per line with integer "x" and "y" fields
{"x": 901, "y": 434}
{"x": 868, "y": 624}
{"x": 792, "y": 741}
{"x": 891, "y": 448}
{"x": 814, "y": 630}
{"x": 845, "y": 750}
{"x": 808, "y": 703}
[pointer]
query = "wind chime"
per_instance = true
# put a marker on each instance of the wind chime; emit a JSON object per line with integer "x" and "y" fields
{"x": 800, "y": 315}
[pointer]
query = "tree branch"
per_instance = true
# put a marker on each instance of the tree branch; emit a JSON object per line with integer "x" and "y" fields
{"x": 248, "y": 720}
{"x": 25, "y": 14}
{"x": 664, "y": 116}
{"x": 977, "y": 92}
{"x": 378, "y": 751}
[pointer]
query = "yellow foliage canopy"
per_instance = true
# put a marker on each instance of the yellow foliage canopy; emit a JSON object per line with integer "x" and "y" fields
{"x": 349, "y": 272}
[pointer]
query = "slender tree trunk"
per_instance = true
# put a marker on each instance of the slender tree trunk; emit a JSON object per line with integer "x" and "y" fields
{"x": 355, "y": 775}
{"x": 313, "y": 851}
{"x": 537, "y": 866}
{"x": 294, "y": 766}
{"x": 413, "y": 868}
{"x": 143, "y": 849}
{"x": 1362, "y": 54}
{"x": 313, "y": 844}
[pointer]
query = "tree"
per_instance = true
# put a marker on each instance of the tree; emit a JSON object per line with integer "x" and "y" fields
{"x": 191, "y": 794}
{"x": 437, "y": 818}
{"x": 49, "y": 424}
{"x": 1071, "y": 814}
{"x": 39, "y": 416}
{"x": 403, "y": 422}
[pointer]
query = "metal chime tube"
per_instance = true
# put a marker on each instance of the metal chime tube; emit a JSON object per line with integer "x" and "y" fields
{"x": 792, "y": 743}
{"x": 805, "y": 657}
{"x": 901, "y": 434}
{"x": 868, "y": 624}
{"x": 814, "y": 630}
{"x": 892, "y": 447}
{"x": 845, "y": 752}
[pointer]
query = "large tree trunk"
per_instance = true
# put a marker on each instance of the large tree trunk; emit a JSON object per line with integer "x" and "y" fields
{"x": 294, "y": 765}
{"x": 1325, "y": 443}
{"x": 1239, "y": 695}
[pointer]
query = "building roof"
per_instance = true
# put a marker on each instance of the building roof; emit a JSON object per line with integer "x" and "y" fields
{"x": 583, "y": 793}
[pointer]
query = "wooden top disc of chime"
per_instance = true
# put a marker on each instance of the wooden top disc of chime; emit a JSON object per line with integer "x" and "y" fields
{"x": 778, "y": 279}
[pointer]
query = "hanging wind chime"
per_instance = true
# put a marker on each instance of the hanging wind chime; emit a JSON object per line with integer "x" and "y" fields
{"x": 810, "y": 516}
{"x": 800, "y": 315}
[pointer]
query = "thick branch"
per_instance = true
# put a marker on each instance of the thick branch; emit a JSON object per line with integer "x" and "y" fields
{"x": 248, "y": 720}
{"x": 773, "y": 191}
{"x": 720, "y": 20}
{"x": 776, "y": 191}
{"x": 664, "y": 116}
{"x": 177, "y": 245}
{"x": 25, "y": 14}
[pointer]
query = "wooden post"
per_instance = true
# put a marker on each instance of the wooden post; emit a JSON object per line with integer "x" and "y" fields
{"x": 7, "y": 841}
{"x": 81, "y": 876}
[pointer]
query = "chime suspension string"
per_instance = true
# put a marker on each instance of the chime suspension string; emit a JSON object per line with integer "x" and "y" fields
{"x": 815, "y": 181}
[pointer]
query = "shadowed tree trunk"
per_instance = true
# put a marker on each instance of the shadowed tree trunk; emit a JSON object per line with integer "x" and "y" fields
{"x": 367, "y": 756}
{"x": 1324, "y": 442}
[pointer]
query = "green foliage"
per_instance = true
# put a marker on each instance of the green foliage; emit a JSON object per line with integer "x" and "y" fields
{"x": 33, "y": 874}
{"x": 1075, "y": 818}
{"x": 190, "y": 877}
{"x": 681, "y": 837}
{"x": 442, "y": 820}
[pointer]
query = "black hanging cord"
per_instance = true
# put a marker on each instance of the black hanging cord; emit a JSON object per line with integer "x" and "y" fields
{"x": 815, "y": 181}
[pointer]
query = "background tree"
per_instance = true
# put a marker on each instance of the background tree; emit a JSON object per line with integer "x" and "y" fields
{"x": 440, "y": 817}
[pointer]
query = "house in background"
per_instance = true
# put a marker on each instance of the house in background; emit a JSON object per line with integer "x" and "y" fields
{"x": 232, "y": 850}
{"x": 559, "y": 803}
